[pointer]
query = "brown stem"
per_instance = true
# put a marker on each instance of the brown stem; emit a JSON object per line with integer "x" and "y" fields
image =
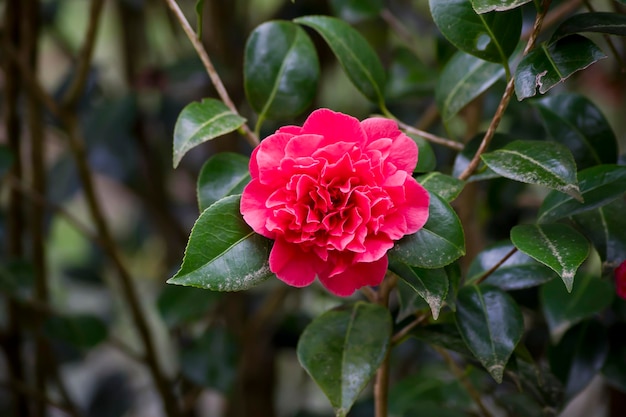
{"x": 430, "y": 137}
{"x": 506, "y": 97}
{"x": 399, "y": 337}
{"x": 494, "y": 268}
{"x": 252, "y": 139}
{"x": 556, "y": 15}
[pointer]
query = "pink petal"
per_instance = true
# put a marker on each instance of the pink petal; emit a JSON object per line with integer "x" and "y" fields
{"x": 403, "y": 153}
{"x": 253, "y": 207}
{"x": 303, "y": 145}
{"x": 335, "y": 127}
{"x": 292, "y": 265}
{"x": 380, "y": 127}
{"x": 356, "y": 276}
{"x": 416, "y": 208}
{"x": 269, "y": 154}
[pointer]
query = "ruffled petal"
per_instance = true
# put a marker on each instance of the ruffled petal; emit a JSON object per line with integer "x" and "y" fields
{"x": 254, "y": 209}
{"x": 269, "y": 154}
{"x": 416, "y": 208}
{"x": 335, "y": 127}
{"x": 292, "y": 265}
{"x": 356, "y": 276}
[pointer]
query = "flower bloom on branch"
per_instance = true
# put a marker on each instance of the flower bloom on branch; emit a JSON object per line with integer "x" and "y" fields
{"x": 620, "y": 280}
{"x": 334, "y": 195}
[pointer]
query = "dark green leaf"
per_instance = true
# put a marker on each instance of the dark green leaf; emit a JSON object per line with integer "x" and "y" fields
{"x": 342, "y": 349}
{"x": 445, "y": 186}
{"x": 490, "y": 36}
{"x": 440, "y": 242}
{"x": 562, "y": 310}
{"x": 410, "y": 301}
{"x": 201, "y": 122}
{"x": 605, "y": 228}
{"x": 354, "y": 11}
{"x": 600, "y": 22}
{"x": 426, "y": 157}
{"x": 408, "y": 76}
{"x": 546, "y": 66}
{"x": 281, "y": 70}
{"x": 199, "y": 14}
{"x": 223, "y": 253}
{"x": 80, "y": 331}
{"x": 599, "y": 185}
{"x": 222, "y": 175}
{"x": 558, "y": 246}
{"x": 446, "y": 336}
{"x": 579, "y": 356}
{"x": 6, "y": 160}
{"x": 464, "y": 157}
{"x": 179, "y": 305}
{"x": 536, "y": 162}
{"x": 574, "y": 121}
{"x": 211, "y": 360}
{"x": 491, "y": 325}
{"x": 17, "y": 279}
{"x": 355, "y": 55}
{"x": 484, "y": 6}
{"x": 430, "y": 284}
{"x": 464, "y": 78}
{"x": 517, "y": 272}
{"x": 454, "y": 280}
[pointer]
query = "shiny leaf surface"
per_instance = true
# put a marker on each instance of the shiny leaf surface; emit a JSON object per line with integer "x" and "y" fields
{"x": 222, "y": 175}
{"x": 484, "y": 6}
{"x": 599, "y": 22}
{"x": 430, "y": 284}
{"x": 445, "y": 186}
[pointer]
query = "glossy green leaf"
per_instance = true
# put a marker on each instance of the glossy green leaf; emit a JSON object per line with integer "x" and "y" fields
{"x": 599, "y": 22}
{"x": 445, "y": 186}
{"x": 430, "y": 284}
{"x": 574, "y": 121}
{"x": 356, "y": 56}
{"x": 354, "y": 11}
{"x": 408, "y": 76}
{"x": 82, "y": 331}
{"x": 548, "y": 65}
{"x": 410, "y": 301}
{"x": 599, "y": 185}
{"x": 579, "y": 356}
{"x": 440, "y": 242}
{"x": 426, "y": 157}
{"x": 211, "y": 360}
{"x": 201, "y": 122}
{"x": 464, "y": 78}
{"x": 445, "y": 335}
{"x": 222, "y": 175}
{"x": 491, "y": 324}
{"x": 590, "y": 296}
{"x": 490, "y": 36}
{"x": 281, "y": 70}
{"x": 6, "y": 160}
{"x": 517, "y": 272}
{"x": 558, "y": 246}
{"x": 342, "y": 349}
{"x": 484, "y": 6}
{"x": 464, "y": 157}
{"x": 180, "y": 305}
{"x": 605, "y": 228}
{"x": 536, "y": 162}
{"x": 223, "y": 253}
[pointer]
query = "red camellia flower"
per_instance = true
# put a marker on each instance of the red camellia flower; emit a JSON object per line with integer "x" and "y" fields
{"x": 620, "y": 280}
{"x": 334, "y": 194}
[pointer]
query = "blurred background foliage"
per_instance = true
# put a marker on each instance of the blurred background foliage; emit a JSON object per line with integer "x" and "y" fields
{"x": 73, "y": 348}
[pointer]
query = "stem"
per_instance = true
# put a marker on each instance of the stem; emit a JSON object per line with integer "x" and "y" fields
{"x": 399, "y": 337}
{"x": 495, "y": 267}
{"x": 506, "y": 97}
{"x": 252, "y": 139}
{"x": 430, "y": 137}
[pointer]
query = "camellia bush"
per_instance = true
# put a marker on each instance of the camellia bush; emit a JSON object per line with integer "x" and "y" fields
{"x": 444, "y": 236}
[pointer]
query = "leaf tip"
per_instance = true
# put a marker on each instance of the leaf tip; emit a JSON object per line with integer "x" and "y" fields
{"x": 497, "y": 372}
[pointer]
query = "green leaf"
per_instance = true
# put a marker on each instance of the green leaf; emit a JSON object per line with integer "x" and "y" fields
{"x": 491, "y": 325}
{"x": 201, "y": 122}
{"x": 558, "y": 246}
{"x": 579, "y": 356}
{"x": 517, "y": 272}
{"x": 440, "y": 242}
{"x": 82, "y": 331}
{"x": 490, "y": 36}
{"x": 605, "y": 227}
{"x": 464, "y": 78}
{"x": 562, "y": 310}
{"x": 180, "y": 305}
{"x": 599, "y": 22}
{"x": 536, "y": 162}
{"x": 223, "y": 253}
{"x": 410, "y": 301}
{"x": 445, "y": 335}
{"x": 484, "y": 6}
{"x": 599, "y": 186}
{"x": 548, "y": 65}
{"x": 6, "y": 160}
{"x": 343, "y": 348}
{"x": 464, "y": 157}
{"x": 354, "y": 11}
{"x": 356, "y": 56}
{"x": 281, "y": 70}
{"x": 408, "y": 76}
{"x": 211, "y": 360}
{"x": 445, "y": 186}
{"x": 222, "y": 175}
{"x": 430, "y": 284}
{"x": 199, "y": 14}
{"x": 426, "y": 157}
{"x": 574, "y": 121}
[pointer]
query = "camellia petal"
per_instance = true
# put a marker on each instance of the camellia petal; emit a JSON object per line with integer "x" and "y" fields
{"x": 335, "y": 195}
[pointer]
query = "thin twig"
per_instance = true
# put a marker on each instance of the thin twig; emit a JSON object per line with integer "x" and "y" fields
{"x": 556, "y": 15}
{"x": 609, "y": 41}
{"x": 252, "y": 139}
{"x": 506, "y": 97}
{"x": 493, "y": 269}
{"x": 402, "y": 333}
{"x": 370, "y": 294}
{"x": 430, "y": 137}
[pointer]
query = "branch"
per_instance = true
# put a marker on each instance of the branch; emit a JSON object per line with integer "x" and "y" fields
{"x": 430, "y": 137}
{"x": 496, "y": 266}
{"x": 252, "y": 139}
{"x": 398, "y": 337}
{"x": 506, "y": 97}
